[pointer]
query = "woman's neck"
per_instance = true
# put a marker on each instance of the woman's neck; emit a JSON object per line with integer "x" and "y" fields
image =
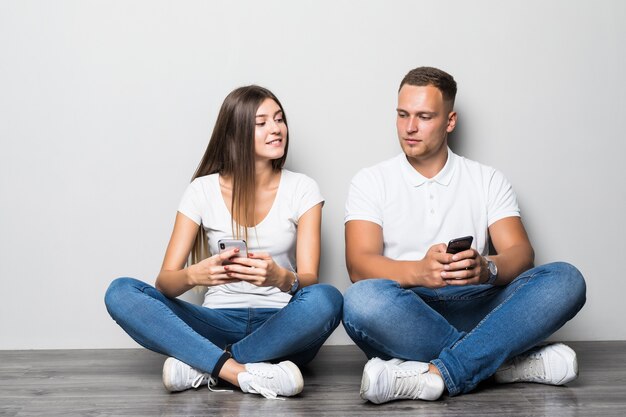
{"x": 265, "y": 176}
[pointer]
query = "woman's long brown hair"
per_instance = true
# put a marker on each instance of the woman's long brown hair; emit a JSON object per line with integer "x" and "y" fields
{"x": 230, "y": 152}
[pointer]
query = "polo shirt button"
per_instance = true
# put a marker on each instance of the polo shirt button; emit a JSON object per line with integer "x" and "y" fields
{"x": 432, "y": 211}
{"x": 432, "y": 196}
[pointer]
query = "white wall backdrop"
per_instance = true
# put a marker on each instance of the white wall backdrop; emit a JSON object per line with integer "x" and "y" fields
{"x": 107, "y": 106}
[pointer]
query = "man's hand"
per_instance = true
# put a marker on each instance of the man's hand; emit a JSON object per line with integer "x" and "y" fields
{"x": 431, "y": 268}
{"x": 465, "y": 268}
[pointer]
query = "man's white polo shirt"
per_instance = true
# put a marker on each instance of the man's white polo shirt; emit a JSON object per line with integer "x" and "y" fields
{"x": 416, "y": 212}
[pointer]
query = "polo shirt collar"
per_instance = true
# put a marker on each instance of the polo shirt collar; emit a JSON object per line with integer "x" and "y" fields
{"x": 415, "y": 179}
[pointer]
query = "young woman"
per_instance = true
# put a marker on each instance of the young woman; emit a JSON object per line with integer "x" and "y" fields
{"x": 263, "y": 315}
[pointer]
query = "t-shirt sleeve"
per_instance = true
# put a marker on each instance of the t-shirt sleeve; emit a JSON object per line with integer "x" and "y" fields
{"x": 501, "y": 199}
{"x": 190, "y": 204}
{"x": 364, "y": 200}
{"x": 309, "y": 195}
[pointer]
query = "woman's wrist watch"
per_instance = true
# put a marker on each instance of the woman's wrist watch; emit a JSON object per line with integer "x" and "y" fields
{"x": 493, "y": 271}
{"x": 295, "y": 285}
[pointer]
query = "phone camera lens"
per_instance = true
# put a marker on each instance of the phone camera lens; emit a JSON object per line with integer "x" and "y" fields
{"x": 222, "y": 246}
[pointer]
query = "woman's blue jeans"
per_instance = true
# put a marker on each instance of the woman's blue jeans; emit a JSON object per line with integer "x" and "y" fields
{"x": 466, "y": 332}
{"x": 199, "y": 335}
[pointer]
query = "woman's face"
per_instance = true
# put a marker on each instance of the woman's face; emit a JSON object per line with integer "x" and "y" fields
{"x": 270, "y": 135}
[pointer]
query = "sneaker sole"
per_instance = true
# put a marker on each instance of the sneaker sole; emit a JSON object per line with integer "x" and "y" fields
{"x": 574, "y": 358}
{"x": 298, "y": 380}
{"x": 167, "y": 369}
{"x": 365, "y": 381}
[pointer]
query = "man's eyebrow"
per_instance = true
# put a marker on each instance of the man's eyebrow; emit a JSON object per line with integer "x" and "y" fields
{"x": 399, "y": 110}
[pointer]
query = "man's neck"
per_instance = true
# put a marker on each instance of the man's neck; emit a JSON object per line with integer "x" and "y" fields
{"x": 430, "y": 166}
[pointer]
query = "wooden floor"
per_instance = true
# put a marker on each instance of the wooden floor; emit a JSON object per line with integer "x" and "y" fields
{"x": 127, "y": 382}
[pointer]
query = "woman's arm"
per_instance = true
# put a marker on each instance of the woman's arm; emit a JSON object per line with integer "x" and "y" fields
{"x": 174, "y": 279}
{"x": 308, "y": 246}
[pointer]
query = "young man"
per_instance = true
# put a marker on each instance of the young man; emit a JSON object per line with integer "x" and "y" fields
{"x": 430, "y": 320}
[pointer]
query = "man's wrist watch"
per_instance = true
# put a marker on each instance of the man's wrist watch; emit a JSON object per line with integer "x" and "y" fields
{"x": 493, "y": 271}
{"x": 295, "y": 285}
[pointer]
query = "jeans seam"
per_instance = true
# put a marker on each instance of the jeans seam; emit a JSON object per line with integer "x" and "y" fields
{"x": 498, "y": 307}
{"x": 445, "y": 375}
{"x": 329, "y": 327}
{"x": 324, "y": 335}
{"x": 166, "y": 310}
{"x": 452, "y": 388}
{"x": 350, "y": 329}
{"x": 191, "y": 312}
{"x": 249, "y": 322}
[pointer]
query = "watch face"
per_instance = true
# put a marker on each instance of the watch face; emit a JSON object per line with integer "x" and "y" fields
{"x": 493, "y": 269}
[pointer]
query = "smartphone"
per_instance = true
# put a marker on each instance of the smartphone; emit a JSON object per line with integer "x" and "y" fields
{"x": 227, "y": 244}
{"x": 460, "y": 244}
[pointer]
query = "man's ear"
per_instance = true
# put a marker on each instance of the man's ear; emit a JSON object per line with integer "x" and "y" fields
{"x": 451, "y": 121}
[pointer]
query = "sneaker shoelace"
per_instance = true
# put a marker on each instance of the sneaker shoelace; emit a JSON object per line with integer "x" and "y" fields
{"x": 408, "y": 384}
{"x": 271, "y": 391}
{"x": 213, "y": 382}
{"x": 534, "y": 367}
{"x": 197, "y": 381}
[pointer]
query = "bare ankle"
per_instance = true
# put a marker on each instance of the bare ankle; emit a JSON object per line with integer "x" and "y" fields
{"x": 231, "y": 370}
{"x": 433, "y": 369}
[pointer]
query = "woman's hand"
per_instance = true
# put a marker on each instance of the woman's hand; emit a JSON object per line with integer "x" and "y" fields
{"x": 211, "y": 271}
{"x": 259, "y": 269}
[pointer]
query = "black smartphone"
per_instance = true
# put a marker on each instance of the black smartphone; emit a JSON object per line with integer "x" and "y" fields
{"x": 227, "y": 244}
{"x": 460, "y": 244}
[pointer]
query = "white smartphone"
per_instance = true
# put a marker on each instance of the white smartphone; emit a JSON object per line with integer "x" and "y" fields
{"x": 227, "y": 244}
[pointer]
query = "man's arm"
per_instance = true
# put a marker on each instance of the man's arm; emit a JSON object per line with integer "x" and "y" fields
{"x": 515, "y": 254}
{"x": 364, "y": 259}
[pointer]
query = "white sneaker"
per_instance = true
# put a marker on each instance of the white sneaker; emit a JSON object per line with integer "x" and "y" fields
{"x": 552, "y": 364}
{"x": 397, "y": 379}
{"x": 178, "y": 376}
{"x": 271, "y": 380}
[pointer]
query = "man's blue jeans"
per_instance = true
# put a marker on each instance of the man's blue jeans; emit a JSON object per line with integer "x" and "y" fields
{"x": 198, "y": 335}
{"x": 466, "y": 332}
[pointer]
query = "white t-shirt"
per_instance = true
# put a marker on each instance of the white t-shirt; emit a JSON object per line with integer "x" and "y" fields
{"x": 276, "y": 233}
{"x": 416, "y": 212}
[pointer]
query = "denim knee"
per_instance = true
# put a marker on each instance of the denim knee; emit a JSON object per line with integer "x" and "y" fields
{"x": 571, "y": 282}
{"x": 118, "y": 292}
{"x": 364, "y": 301}
{"x": 327, "y": 300}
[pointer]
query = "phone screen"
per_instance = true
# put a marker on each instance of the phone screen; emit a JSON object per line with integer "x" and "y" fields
{"x": 460, "y": 244}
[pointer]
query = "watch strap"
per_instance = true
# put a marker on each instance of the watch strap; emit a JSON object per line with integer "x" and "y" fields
{"x": 493, "y": 271}
{"x": 295, "y": 285}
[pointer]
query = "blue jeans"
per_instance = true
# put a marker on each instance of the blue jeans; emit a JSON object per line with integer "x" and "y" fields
{"x": 199, "y": 335}
{"x": 466, "y": 332}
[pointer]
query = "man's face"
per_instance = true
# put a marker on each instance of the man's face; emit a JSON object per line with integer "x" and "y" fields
{"x": 424, "y": 121}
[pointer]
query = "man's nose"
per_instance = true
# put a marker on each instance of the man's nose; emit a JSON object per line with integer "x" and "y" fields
{"x": 411, "y": 125}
